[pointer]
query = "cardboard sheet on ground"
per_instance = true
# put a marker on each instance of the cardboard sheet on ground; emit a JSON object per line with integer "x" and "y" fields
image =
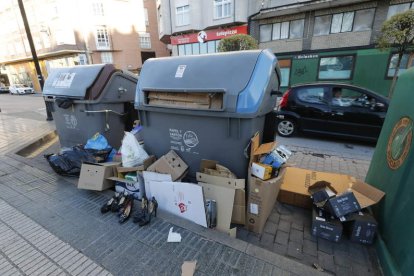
{"x": 224, "y": 198}
{"x": 153, "y": 176}
{"x": 295, "y": 183}
{"x": 182, "y": 199}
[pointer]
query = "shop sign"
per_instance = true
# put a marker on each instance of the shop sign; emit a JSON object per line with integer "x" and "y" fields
{"x": 208, "y": 35}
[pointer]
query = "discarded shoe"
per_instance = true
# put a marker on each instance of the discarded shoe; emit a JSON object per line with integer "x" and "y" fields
{"x": 152, "y": 210}
{"x": 121, "y": 202}
{"x": 108, "y": 205}
{"x": 127, "y": 210}
{"x": 144, "y": 210}
{"x": 114, "y": 206}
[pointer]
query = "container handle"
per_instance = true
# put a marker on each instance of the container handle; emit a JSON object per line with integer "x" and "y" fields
{"x": 106, "y": 111}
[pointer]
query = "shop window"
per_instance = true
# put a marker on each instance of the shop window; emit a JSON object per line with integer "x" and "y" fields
{"x": 181, "y": 50}
{"x": 145, "y": 40}
{"x": 222, "y": 8}
{"x": 102, "y": 38}
{"x": 284, "y": 65}
{"x": 106, "y": 57}
{"x": 196, "y": 48}
{"x": 203, "y": 48}
{"x": 182, "y": 15}
{"x": 339, "y": 67}
{"x": 211, "y": 47}
{"x": 394, "y": 9}
{"x": 354, "y": 21}
{"x": 188, "y": 49}
{"x": 407, "y": 61}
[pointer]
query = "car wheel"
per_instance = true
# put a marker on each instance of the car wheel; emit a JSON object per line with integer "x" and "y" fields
{"x": 286, "y": 127}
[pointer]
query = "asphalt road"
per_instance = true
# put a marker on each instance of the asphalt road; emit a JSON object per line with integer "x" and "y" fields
{"x": 29, "y": 106}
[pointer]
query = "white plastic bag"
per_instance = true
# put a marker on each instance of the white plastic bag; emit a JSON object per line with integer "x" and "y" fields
{"x": 132, "y": 152}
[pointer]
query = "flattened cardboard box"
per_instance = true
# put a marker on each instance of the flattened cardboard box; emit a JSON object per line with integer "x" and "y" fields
{"x": 261, "y": 199}
{"x": 295, "y": 183}
{"x": 94, "y": 176}
{"x": 239, "y": 206}
{"x": 171, "y": 164}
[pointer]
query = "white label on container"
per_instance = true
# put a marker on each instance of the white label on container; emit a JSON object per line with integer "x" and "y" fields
{"x": 70, "y": 121}
{"x": 254, "y": 209}
{"x": 63, "y": 80}
{"x": 180, "y": 71}
{"x": 183, "y": 140}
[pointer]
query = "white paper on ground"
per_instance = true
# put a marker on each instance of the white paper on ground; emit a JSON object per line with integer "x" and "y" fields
{"x": 173, "y": 236}
{"x": 182, "y": 199}
{"x": 153, "y": 176}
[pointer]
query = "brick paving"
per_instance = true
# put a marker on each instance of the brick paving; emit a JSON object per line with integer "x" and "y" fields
{"x": 288, "y": 229}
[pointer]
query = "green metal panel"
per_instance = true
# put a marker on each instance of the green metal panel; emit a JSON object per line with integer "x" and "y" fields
{"x": 392, "y": 171}
{"x": 303, "y": 70}
{"x": 369, "y": 71}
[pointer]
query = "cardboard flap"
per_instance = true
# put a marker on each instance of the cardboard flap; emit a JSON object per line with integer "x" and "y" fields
{"x": 265, "y": 148}
{"x": 207, "y": 164}
{"x": 221, "y": 181}
{"x": 257, "y": 149}
{"x": 366, "y": 194}
{"x": 113, "y": 178}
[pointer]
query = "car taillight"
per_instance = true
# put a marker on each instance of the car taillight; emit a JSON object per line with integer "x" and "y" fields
{"x": 284, "y": 100}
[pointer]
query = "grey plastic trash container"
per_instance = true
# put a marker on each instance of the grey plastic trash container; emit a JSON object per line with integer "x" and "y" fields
{"x": 207, "y": 106}
{"x": 89, "y": 99}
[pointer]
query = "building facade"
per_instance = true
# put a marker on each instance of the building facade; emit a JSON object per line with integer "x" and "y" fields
{"x": 329, "y": 40}
{"x": 197, "y": 26}
{"x": 124, "y": 33}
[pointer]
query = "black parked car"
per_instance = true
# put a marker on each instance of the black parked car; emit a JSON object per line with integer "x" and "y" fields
{"x": 332, "y": 108}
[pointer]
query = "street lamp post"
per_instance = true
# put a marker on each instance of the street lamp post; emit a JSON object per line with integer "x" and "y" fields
{"x": 35, "y": 59}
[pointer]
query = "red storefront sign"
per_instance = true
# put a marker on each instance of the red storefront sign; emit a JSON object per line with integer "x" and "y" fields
{"x": 208, "y": 35}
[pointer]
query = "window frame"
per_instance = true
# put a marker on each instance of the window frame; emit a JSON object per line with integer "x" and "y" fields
{"x": 410, "y": 59}
{"x": 222, "y": 4}
{"x": 281, "y": 60}
{"x": 411, "y": 6}
{"x": 98, "y": 8}
{"x": 342, "y": 20}
{"x": 185, "y": 13}
{"x": 145, "y": 40}
{"x": 103, "y": 31}
{"x": 107, "y": 54}
{"x": 351, "y": 76}
{"x": 280, "y": 30}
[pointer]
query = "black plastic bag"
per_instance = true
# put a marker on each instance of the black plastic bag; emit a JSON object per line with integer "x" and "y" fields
{"x": 69, "y": 161}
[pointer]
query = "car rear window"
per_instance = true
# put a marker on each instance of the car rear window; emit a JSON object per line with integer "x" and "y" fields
{"x": 312, "y": 94}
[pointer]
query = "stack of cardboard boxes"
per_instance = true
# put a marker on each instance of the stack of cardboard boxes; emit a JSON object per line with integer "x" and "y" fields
{"x": 339, "y": 203}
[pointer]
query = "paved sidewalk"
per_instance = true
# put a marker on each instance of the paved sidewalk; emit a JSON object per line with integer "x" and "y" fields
{"x": 31, "y": 192}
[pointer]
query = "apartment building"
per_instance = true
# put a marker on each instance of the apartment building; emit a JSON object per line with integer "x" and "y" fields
{"x": 124, "y": 33}
{"x": 197, "y": 26}
{"x": 328, "y": 40}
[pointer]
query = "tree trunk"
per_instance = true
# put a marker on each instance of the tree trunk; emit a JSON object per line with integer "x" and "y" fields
{"x": 395, "y": 77}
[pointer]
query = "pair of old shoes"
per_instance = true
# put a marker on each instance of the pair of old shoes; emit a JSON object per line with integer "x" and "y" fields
{"x": 121, "y": 203}
{"x": 148, "y": 209}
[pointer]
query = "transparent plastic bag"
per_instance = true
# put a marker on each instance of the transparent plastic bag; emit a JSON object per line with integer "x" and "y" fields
{"x": 132, "y": 152}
